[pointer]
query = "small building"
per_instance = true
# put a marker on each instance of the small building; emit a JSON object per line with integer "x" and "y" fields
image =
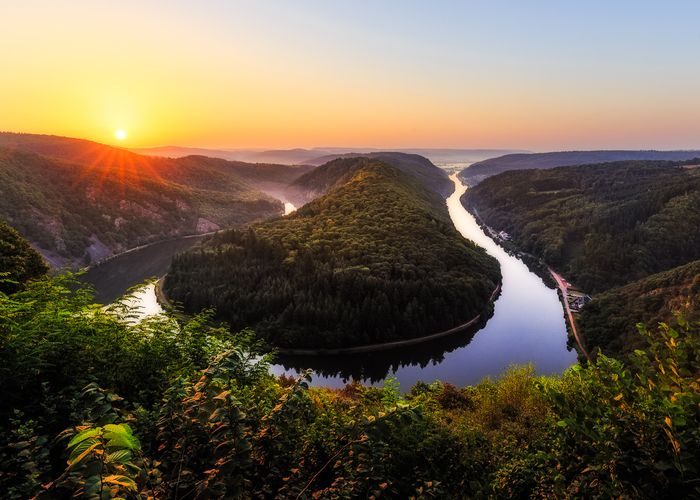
{"x": 577, "y": 302}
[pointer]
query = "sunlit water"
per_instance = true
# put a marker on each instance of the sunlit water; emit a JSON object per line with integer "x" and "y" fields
{"x": 527, "y": 326}
{"x": 143, "y": 303}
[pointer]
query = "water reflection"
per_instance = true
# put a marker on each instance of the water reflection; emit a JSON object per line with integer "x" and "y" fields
{"x": 373, "y": 368}
{"x": 527, "y": 326}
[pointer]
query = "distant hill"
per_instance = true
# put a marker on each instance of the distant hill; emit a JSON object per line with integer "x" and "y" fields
{"x": 375, "y": 259}
{"x": 486, "y": 168}
{"x": 279, "y": 156}
{"x": 337, "y": 171}
{"x": 79, "y": 201}
{"x": 609, "y": 321}
{"x": 19, "y": 262}
{"x": 319, "y": 156}
{"x": 434, "y": 155}
{"x": 272, "y": 179}
{"x": 180, "y": 151}
{"x": 603, "y": 227}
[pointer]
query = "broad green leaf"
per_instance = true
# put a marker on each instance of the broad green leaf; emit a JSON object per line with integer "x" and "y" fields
{"x": 87, "y": 433}
{"x": 119, "y": 456}
{"x": 120, "y": 436}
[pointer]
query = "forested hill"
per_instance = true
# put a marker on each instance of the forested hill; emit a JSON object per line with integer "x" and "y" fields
{"x": 19, "y": 262}
{"x": 479, "y": 171}
{"x": 609, "y": 321}
{"x": 337, "y": 171}
{"x": 79, "y": 201}
{"x": 602, "y": 226}
{"x": 376, "y": 259}
{"x": 272, "y": 179}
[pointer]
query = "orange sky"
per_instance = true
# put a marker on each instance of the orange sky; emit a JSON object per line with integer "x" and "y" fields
{"x": 242, "y": 74}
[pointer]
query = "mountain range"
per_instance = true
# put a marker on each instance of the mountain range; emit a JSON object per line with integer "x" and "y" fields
{"x": 480, "y": 170}
{"x": 319, "y": 156}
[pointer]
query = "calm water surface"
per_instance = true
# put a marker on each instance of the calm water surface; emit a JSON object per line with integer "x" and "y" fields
{"x": 527, "y": 325}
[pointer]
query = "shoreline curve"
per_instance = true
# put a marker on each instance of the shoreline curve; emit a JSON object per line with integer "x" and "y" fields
{"x": 384, "y": 346}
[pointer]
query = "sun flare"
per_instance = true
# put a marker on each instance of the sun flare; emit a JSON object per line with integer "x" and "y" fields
{"x": 120, "y": 134}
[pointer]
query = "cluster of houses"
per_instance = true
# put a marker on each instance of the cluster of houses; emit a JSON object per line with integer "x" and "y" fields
{"x": 577, "y": 300}
{"x": 498, "y": 235}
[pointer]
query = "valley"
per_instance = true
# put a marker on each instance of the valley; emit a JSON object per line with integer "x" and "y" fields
{"x": 325, "y": 250}
{"x": 526, "y": 326}
{"x": 79, "y": 202}
{"x": 365, "y": 216}
{"x": 610, "y": 229}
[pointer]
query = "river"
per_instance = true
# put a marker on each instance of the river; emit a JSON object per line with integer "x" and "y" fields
{"x": 527, "y": 326}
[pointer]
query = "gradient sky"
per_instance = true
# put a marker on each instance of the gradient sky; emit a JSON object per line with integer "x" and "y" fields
{"x": 539, "y": 75}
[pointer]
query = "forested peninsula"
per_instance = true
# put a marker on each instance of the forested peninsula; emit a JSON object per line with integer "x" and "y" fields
{"x": 377, "y": 259}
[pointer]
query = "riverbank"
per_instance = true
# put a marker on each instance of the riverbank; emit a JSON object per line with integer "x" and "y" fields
{"x": 385, "y": 346}
{"x": 539, "y": 267}
{"x": 527, "y": 326}
{"x": 160, "y": 295}
{"x": 563, "y": 286}
{"x": 165, "y": 303}
{"x": 534, "y": 263}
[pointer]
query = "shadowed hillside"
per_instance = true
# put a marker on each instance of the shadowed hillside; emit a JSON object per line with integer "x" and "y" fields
{"x": 606, "y": 226}
{"x": 609, "y": 321}
{"x": 80, "y": 201}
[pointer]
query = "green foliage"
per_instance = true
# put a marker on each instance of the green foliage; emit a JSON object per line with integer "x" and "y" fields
{"x": 628, "y": 232}
{"x": 375, "y": 260}
{"x": 100, "y": 462}
{"x": 139, "y": 419}
{"x": 633, "y": 430}
{"x": 609, "y": 321}
{"x": 24, "y": 455}
{"x": 19, "y": 262}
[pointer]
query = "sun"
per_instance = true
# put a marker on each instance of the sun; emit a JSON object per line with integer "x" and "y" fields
{"x": 120, "y": 134}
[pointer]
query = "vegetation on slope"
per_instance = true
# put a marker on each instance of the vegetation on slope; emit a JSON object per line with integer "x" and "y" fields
{"x": 605, "y": 226}
{"x": 481, "y": 170}
{"x": 100, "y": 408}
{"x": 269, "y": 178}
{"x": 609, "y": 321}
{"x": 336, "y": 172}
{"x": 375, "y": 260}
{"x": 19, "y": 262}
{"x": 87, "y": 201}
{"x": 602, "y": 226}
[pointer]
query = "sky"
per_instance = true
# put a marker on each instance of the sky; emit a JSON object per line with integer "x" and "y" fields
{"x": 538, "y": 75}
